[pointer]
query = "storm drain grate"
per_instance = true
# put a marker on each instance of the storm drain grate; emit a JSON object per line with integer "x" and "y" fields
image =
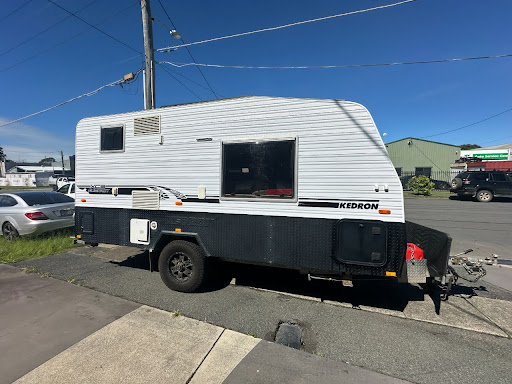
{"x": 290, "y": 335}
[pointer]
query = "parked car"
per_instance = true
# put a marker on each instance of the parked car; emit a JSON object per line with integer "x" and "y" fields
{"x": 438, "y": 184}
{"x": 63, "y": 180}
{"x": 482, "y": 185}
{"x": 68, "y": 189}
{"x": 33, "y": 213}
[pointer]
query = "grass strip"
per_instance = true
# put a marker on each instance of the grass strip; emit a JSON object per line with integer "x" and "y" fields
{"x": 435, "y": 195}
{"x": 28, "y": 248}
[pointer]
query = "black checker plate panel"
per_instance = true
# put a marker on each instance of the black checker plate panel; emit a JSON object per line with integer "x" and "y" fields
{"x": 300, "y": 243}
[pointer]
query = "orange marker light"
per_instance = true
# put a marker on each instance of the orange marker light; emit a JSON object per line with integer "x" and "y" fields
{"x": 83, "y": 200}
{"x": 177, "y": 229}
{"x": 391, "y": 274}
{"x": 78, "y": 236}
{"x": 179, "y": 203}
{"x": 384, "y": 211}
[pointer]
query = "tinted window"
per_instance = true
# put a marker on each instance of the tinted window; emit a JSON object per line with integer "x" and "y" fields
{"x": 7, "y": 201}
{"x": 64, "y": 189}
{"x": 44, "y": 198}
{"x": 259, "y": 169}
{"x": 112, "y": 139}
{"x": 499, "y": 177}
{"x": 426, "y": 171}
{"x": 479, "y": 176}
{"x": 72, "y": 188}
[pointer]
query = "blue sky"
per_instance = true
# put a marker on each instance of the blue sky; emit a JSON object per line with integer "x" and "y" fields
{"x": 413, "y": 100}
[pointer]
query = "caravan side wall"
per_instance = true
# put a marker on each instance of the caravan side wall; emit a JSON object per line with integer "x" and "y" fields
{"x": 341, "y": 211}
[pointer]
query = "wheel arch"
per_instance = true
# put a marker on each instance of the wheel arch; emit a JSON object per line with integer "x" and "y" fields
{"x": 489, "y": 188}
{"x": 166, "y": 237}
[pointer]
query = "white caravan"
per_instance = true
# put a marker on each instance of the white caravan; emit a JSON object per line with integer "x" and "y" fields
{"x": 305, "y": 184}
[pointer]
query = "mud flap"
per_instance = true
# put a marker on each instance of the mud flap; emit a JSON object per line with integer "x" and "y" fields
{"x": 436, "y": 246}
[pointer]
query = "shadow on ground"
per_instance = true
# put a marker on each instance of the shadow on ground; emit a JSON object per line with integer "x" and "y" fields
{"x": 385, "y": 294}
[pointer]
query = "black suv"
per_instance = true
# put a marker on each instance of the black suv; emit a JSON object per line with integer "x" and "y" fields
{"x": 483, "y": 185}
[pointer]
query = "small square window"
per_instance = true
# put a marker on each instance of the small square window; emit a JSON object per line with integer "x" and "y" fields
{"x": 112, "y": 139}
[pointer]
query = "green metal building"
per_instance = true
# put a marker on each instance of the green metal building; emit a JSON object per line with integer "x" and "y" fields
{"x": 422, "y": 157}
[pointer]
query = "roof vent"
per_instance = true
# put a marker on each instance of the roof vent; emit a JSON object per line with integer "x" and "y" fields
{"x": 145, "y": 200}
{"x": 146, "y": 125}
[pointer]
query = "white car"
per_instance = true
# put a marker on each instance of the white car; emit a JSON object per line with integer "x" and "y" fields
{"x": 68, "y": 189}
{"x": 63, "y": 180}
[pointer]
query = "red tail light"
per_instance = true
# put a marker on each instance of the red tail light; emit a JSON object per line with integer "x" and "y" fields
{"x": 36, "y": 216}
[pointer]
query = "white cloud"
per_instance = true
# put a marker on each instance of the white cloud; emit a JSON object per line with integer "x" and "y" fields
{"x": 21, "y": 141}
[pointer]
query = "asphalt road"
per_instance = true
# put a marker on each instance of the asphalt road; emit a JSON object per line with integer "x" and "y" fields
{"x": 484, "y": 227}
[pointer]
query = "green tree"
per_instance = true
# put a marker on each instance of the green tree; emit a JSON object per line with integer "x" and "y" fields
{"x": 47, "y": 160}
{"x": 420, "y": 185}
{"x": 469, "y": 146}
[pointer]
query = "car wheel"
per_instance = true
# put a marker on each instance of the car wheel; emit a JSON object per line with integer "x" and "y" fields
{"x": 182, "y": 266}
{"x": 484, "y": 196}
{"x": 9, "y": 232}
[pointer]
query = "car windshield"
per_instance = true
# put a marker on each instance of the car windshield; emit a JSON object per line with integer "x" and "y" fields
{"x": 44, "y": 198}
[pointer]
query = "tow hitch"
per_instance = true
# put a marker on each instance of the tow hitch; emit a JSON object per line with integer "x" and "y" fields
{"x": 474, "y": 268}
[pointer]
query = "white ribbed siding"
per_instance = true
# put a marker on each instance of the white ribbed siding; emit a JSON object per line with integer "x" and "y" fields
{"x": 340, "y": 155}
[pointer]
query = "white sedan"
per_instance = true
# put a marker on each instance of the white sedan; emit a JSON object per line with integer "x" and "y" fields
{"x": 33, "y": 213}
{"x": 68, "y": 189}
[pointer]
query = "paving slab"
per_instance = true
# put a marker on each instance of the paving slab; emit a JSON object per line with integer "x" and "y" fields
{"x": 41, "y": 317}
{"x": 228, "y": 352}
{"x": 147, "y": 345}
{"x": 455, "y": 312}
{"x": 498, "y": 311}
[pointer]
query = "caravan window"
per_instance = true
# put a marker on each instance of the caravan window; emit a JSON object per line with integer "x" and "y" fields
{"x": 112, "y": 138}
{"x": 259, "y": 169}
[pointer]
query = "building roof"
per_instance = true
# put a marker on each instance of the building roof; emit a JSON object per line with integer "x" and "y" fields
{"x": 428, "y": 141}
{"x": 501, "y": 146}
{"x": 31, "y": 168}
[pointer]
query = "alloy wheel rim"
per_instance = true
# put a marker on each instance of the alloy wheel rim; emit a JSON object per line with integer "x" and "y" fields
{"x": 8, "y": 231}
{"x": 181, "y": 266}
{"x": 484, "y": 195}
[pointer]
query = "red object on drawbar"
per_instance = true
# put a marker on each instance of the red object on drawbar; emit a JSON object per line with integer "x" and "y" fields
{"x": 413, "y": 252}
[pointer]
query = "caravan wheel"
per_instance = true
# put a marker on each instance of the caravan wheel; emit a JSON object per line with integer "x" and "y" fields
{"x": 182, "y": 266}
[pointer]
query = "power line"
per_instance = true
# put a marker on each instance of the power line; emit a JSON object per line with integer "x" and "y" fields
{"x": 16, "y": 10}
{"x": 44, "y": 30}
{"x": 493, "y": 141}
{"x": 469, "y": 125}
{"x": 188, "y": 50}
{"x": 96, "y": 28}
{"x": 64, "y": 41}
{"x": 174, "y": 77}
{"x": 428, "y": 158}
{"x": 286, "y": 25}
{"x": 179, "y": 65}
{"x": 114, "y": 83}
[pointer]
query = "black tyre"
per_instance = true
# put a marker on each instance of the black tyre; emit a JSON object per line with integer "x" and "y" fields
{"x": 9, "y": 232}
{"x": 484, "y": 196}
{"x": 182, "y": 266}
{"x": 456, "y": 183}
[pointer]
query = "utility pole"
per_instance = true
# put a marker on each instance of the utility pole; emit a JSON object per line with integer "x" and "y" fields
{"x": 2, "y": 162}
{"x": 149, "y": 78}
{"x": 62, "y": 158}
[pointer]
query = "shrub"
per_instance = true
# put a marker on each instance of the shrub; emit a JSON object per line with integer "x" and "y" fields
{"x": 420, "y": 185}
